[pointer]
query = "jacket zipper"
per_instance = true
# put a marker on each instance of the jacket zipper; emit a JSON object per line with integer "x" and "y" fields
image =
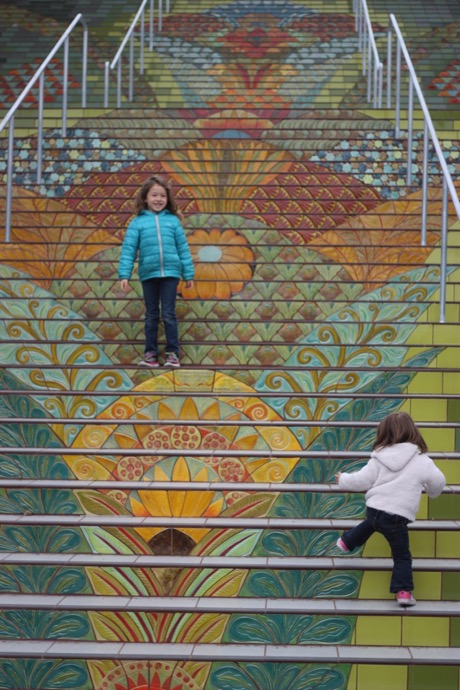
{"x": 160, "y": 245}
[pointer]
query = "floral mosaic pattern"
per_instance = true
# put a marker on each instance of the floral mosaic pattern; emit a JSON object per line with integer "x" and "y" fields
{"x": 309, "y": 279}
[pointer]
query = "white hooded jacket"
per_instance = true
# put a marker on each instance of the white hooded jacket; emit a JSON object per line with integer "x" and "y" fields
{"x": 394, "y": 479}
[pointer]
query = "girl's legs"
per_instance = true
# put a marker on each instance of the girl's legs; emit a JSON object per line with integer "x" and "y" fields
{"x": 358, "y": 535}
{"x": 394, "y": 529}
{"x": 151, "y": 290}
{"x": 168, "y": 292}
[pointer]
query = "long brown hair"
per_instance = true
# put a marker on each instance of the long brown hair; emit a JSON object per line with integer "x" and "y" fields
{"x": 140, "y": 203}
{"x": 399, "y": 427}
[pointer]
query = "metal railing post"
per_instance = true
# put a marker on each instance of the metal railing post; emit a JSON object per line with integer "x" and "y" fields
{"x": 119, "y": 82}
{"x": 40, "y": 127}
{"x": 410, "y": 127}
{"x": 131, "y": 68}
{"x": 389, "y": 65}
{"x": 398, "y": 91}
{"x": 141, "y": 53}
{"x": 65, "y": 87}
{"x": 84, "y": 70}
{"x": 443, "y": 277}
{"x": 106, "y": 83}
{"x": 160, "y": 15}
{"x": 424, "y": 182}
{"x": 9, "y": 180}
{"x": 151, "y": 25}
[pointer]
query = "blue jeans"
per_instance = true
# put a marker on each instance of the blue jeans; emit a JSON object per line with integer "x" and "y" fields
{"x": 161, "y": 291}
{"x": 394, "y": 529}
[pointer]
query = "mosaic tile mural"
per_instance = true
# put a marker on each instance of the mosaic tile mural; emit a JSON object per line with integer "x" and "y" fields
{"x": 309, "y": 278}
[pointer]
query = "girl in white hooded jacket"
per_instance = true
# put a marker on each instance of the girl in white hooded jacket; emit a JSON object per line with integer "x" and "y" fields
{"x": 394, "y": 478}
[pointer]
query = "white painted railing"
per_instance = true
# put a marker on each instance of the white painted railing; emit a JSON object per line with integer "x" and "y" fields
{"x": 374, "y": 84}
{"x": 371, "y": 64}
{"x": 429, "y": 132}
{"x": 40, "y": 77}
{"x": 138, "y": 24}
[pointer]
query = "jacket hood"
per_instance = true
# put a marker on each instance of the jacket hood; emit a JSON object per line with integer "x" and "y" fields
{"x": 397, "y": 456}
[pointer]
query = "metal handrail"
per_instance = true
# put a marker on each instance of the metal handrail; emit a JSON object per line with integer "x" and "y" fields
{"x": 448, "y": 187}
{"x": 39, "y": 76}
{"x": 129, "y": 36}
{"x": 366, "y": 43}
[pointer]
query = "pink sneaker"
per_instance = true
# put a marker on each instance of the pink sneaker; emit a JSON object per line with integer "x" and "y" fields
{"x": 342, "y": 546}
{"x": 172, "y": 360}
{"x": 405, "y": 599}
{"x": 150, "y": 360}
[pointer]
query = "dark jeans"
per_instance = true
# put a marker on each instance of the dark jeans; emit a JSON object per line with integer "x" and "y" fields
{"x": 394, "y": 529}
{"x": 160, "y": 291}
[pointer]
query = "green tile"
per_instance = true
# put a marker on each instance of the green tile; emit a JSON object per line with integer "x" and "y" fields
{"x": 433, "y": 678}
{"x": 450, "y": 587}
{"x": 445, "y": 507}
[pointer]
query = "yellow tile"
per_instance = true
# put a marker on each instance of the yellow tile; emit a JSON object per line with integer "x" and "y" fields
{"x": 450, "y": 469}
{"x": 381, "y": 677}
{"x": 422, "y": 544}
{"x": 406, "y": 407}
{"x": 376, "y": 547}
{"x": 378, "y": 630}
{"x": 440, "y": 439}
{"x": 376, "y": 585}
{"x": 427, "y": 585}
{"x": 446, "y": 334}
{"x": 435, "y": 410}
{"x": 426, "y": 382}
{"x": 422, "y": 335}
{"x": 422, "y": 513}
{"x": 425, "y": 632}
{"x": 352, "y": 678}
{"x": 447, "y": 545}
{"x": 451, "y": 381}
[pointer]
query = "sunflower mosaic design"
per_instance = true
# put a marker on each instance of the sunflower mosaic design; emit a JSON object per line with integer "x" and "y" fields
{"x": 185, "y": 429}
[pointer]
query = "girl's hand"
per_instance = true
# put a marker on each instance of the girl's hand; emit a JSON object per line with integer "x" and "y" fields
{"x": 337, "y": 476}
{"x": 124, "y": 284}
{"x": 189, "y": 283}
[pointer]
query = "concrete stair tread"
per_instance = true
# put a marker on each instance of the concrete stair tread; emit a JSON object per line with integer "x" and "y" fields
{"x": 203, "y": 604}
{"x": 229, "y": 652}
{"x": 172, "y": 452}
{"x": 284, "y": 487}
{"x": 274, "y": 523}
{"x": 234, "y": 562}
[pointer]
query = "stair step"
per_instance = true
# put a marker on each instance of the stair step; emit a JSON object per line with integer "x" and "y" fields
{"x": 125, "y": 651}
{"x": 234, "y": 562}
{"x": 228, "y": 605}
{"x": 254, "y": 487}
{"x": 269, "y": 523}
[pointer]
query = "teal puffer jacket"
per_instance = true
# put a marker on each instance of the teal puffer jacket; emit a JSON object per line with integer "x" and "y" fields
{"x": 163, "y": 249}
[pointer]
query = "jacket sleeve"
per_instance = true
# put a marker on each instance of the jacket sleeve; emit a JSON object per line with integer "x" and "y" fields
{"x": 361, "y": 480}
{"x": 129, "y": 251}
{"x": 435, "y": 480}
{"x": 185, "y": 255}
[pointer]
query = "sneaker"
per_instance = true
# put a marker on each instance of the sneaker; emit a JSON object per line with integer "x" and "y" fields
{"x": 342, "y": 546}
{"x": 150, "y": 360}
{"x": 405, "y": 599}
{"x": 172, "y": 360}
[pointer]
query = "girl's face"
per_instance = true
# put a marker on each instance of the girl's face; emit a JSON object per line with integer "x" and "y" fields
{"x": 157, "y": 198}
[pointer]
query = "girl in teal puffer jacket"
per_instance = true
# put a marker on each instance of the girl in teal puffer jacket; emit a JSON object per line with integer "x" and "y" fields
{"x": 164, "y": 257}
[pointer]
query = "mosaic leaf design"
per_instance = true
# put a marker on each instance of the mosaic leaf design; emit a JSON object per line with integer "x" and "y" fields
{"x": 21, "y": 291}
{"x": 38, "y": 625}
{"x": 44, "y": 673}
{"x": 43, "y": 580}
{"x": 289, "y": 629}
{"x": 268, "y": 676}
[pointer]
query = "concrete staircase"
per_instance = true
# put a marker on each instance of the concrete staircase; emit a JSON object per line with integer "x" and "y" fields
{"x": 176, "y": 529}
